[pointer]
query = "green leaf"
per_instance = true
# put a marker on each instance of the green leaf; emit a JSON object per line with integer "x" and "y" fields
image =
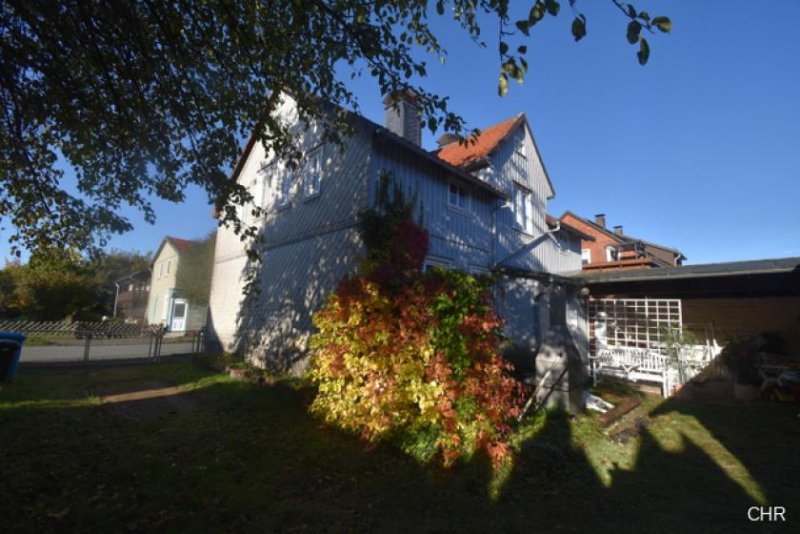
{"x": 634, "y": 29}
{"x": 440, "y": 7}
{"x": 537, "y": 13}
{"x": 663, "y": 24}
{"x": 644, "y": 15}
{"x": 644, "y": 51}
{"x": 579, "y": 27}
{"x": 631, "y": 11}
{"x": 503, "y": 48}
{"x": 524, "y": 26}
{"x": 552, "y": 7}
{"x": 502, "y": 86}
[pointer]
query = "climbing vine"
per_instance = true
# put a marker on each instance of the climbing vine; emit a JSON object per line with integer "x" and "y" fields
{"x": 412, "y": 356}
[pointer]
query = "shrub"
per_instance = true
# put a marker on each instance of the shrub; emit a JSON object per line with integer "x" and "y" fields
{"x": 412, "y": 357}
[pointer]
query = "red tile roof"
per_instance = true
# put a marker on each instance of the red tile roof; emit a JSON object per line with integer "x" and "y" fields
{"x": 461, "y": 154}
{"x": 181, "y": 244}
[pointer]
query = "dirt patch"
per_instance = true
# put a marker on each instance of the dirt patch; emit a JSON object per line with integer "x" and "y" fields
{"x": 146, "y": 399}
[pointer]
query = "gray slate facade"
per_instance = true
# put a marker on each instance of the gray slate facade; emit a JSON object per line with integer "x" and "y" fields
{"x": 310, "y": 238}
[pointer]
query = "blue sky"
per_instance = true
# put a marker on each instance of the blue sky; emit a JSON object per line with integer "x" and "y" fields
{"x": 697, "y": 150}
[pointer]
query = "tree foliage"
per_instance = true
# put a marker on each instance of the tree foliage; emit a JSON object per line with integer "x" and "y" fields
{"x": 145, "y": 97}
{"x": 193, "y": 278}
{"x": 56, "y": 285}
{"x": 412, "y": 356}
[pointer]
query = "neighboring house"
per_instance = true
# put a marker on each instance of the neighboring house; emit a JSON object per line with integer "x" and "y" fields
{"x": 166, "y": 305}
{"x": 483, "y": 203}
{"x": 613, "y": 250}
{"x": 131, "y": 297}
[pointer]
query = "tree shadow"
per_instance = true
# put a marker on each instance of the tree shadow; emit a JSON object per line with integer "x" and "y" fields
{"x": 249, "y": 457}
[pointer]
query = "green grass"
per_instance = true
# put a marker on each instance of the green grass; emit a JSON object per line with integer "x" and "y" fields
{"x": 233, "y": 456}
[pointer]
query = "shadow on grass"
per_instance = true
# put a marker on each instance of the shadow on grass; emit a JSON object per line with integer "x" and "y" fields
{"x": 250, "y": 458}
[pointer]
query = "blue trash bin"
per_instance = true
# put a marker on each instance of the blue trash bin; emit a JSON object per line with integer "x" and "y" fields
{"x": 10, "y": 352}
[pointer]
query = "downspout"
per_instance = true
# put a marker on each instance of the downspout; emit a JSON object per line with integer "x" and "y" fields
{"x": 116, "y": 296}
{"x": 552, "y": 231}
{"x": 495, "y": 236}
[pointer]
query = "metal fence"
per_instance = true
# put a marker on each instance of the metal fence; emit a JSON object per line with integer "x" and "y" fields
{"x": 50, "y": 342}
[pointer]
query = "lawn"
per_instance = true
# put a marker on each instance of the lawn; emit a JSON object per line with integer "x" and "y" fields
{"x": 86, "y": 450}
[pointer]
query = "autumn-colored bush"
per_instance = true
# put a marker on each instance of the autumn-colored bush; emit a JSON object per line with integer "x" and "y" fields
{"x": 412, "y": 357}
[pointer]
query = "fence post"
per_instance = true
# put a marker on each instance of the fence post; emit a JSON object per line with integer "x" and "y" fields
{"x": 86, "y": 347}
{"x": 157, "y": 347}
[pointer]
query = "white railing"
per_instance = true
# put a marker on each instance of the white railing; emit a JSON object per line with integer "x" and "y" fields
{"x": 651, "y": 364}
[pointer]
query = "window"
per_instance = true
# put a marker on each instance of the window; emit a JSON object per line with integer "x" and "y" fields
{"x": 519, "y": 158}
{"x": 284, "y": 187}
{"x": 161, "y": 269}
{"x": 586, "y": 256}
{"x": 458, "y": 196}
{"x": 312, "y": 174}
{"x": 433, "y": 261}
{"x": 477, "y": 270}
{"x": 523, "y": 209}
{"x": 258, "y": 188}
{"x": 169, "y": 262}
{"x": 612, "y": 254}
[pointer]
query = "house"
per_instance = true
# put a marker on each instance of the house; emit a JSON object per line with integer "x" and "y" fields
{"x": 484, "y": 204}
{"x": 166, "y": 305}
{"x": 131, "y": 295}
{"x": 616, "y": 250}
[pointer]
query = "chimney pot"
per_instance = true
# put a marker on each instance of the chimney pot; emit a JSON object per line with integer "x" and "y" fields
{"x": 402, "y": 115}
{"x": 618, "y": 230}
{"x": 447, "y": 139}
{"x": 600, "y": 219}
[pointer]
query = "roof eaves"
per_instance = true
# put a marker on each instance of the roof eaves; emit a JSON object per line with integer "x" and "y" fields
{"x": 431, "y": 158}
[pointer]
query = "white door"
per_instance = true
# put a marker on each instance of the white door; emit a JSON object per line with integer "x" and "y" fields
{"x": 179, "y": 310}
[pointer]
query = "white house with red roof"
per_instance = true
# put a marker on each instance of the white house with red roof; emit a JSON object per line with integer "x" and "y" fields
{"x": 165, "y": 304}
{"x": 483, "y": 202}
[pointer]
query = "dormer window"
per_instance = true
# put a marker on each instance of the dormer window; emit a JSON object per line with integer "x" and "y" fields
{"x": 612, "y": 254}
{"x": 458, "y": 196}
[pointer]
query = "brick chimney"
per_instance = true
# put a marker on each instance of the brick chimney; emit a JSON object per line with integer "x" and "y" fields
{"x": 600, "y": 220}
{"x": 618, "y": 230}
{"x": 402, "y": 115}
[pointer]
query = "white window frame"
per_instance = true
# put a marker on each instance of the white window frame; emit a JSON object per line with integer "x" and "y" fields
{"x": 435, "y": 261}
{"x": 259, "y": 192}
{"x": 586, "y": 256}
{"x": 460, "y": 199}
{"x": 312, "y": 174}
{"x": 283, "y": 189}
{"x": 610, "y": 251}
{"x": 477, "y": 270}
{"x": 523, "y": 208}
